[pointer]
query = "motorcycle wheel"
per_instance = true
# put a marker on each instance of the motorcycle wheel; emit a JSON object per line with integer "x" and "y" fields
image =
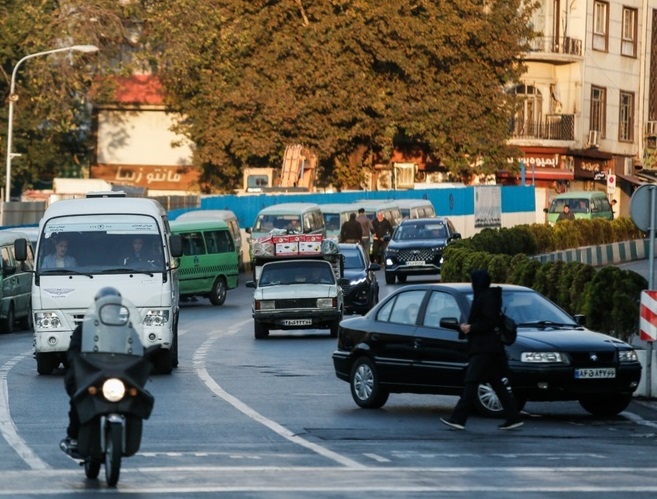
{"x": 91, "y": 468}
{"x": 113, "y": 454}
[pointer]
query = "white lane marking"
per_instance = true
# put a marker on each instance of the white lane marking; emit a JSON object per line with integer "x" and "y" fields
{"x": 639, "y": 420}
{"x": 377, "y": 458}
{"x": 199, "y": 364}
{"x": 7, "y": 426}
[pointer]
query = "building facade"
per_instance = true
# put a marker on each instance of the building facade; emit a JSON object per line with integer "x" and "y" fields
{"x": 588, "y": 101}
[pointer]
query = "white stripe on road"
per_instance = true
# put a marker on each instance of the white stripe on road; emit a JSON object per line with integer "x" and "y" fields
{"x": 199, "y": 364}
{"x": 7, "y": 426}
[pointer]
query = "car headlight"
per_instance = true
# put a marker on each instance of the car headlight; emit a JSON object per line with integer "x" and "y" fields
{"x": 325, "y": 302}
{"x": 265, "y": 305}
{"x": 627, "y": 356}
{"x": 156, "y": 318}
{"x": 541, "y": 357}
{"x": 47, "y": 320}
{"x": 113, "y": 389}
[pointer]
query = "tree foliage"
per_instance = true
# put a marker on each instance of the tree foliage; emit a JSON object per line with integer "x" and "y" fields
{"x": 340, "y": 77}
{"x": 51, "y": 125}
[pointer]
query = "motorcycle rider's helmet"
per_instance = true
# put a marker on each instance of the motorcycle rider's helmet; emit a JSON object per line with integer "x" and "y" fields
{"x": 107, "y": 291}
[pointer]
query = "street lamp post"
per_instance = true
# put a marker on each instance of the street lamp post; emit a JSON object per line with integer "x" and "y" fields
{"x": 13, "y": 98}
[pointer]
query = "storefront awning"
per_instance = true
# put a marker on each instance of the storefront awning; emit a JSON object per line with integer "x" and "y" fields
{"x": 632, "y": 179}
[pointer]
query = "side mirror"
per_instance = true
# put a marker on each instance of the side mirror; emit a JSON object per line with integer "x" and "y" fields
{"x": 450, "y": 323}
{"x": 580, "y": 319}
{"x": 20, "y": 249}
{"x": 374, "y": 266}
{"x": 250, "y": 284}
{"x": 386, "y": 238}
{"x": 343, "y": 281}
{"x": 247, "y": 230}
{"x": 545, "y": 210}
{"x": 175, "y": 245}
{"x": 456, "y": 235}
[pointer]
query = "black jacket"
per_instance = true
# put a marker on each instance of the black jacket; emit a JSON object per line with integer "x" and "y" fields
{"x": 351, "y": 229}
{"x": 484, "y": 316}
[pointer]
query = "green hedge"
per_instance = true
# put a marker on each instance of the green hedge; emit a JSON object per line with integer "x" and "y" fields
{"x": 609, "y": 297}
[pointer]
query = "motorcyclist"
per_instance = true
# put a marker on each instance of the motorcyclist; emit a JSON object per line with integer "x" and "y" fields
{"x": 70, "y": 443}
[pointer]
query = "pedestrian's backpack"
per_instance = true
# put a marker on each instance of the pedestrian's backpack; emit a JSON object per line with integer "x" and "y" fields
{"x": 506, "y": 328}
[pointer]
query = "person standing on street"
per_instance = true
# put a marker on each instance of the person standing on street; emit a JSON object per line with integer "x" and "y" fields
{"x": 367, "y": 228}
{"x": 382, "y": 227}
{"x": 351, "y": 231}
{"x": 487, "y": 357}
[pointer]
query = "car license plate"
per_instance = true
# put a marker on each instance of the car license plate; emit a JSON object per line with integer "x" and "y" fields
{"x": 297, "y": 322}
{"x": 415, "y": 263}
{"x": 595, "y": 373}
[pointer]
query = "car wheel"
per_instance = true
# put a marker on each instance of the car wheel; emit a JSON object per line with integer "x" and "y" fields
{"x": 26, "y": 322}
{"x": 218, "y": 293}
{"x": 260, "y": 331}
{"x": 7, "y": 324}
{"x": 46, "y": 363}
{"x": 401, "y": 277}
{"x": 488, "y": 404}
{"x": 606, "y": 404}
{"x": 162, "y": 361}
{"x": 390, "y": 278}
{"x": 365, "y": 388}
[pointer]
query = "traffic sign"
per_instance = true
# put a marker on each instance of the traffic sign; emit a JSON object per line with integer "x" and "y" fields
{"x": 640, "y": 206}
{"x": 611, "y": 184}
{"x": 648, "y": 322}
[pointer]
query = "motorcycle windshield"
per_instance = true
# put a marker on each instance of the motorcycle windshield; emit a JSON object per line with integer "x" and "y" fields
{"x": 110, "y": 326}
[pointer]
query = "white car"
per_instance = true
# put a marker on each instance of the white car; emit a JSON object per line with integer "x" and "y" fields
{"x": 296, "y": 294}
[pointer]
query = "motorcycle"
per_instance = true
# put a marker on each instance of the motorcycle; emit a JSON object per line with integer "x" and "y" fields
{"x": 110, "y": 374}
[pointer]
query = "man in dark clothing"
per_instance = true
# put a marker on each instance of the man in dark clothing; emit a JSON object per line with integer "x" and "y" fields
{"x": 488, "y": 363}
{"x": 382, "y": 227}
{"x": 351, "y": 231}
{"x": 566, "y": 214}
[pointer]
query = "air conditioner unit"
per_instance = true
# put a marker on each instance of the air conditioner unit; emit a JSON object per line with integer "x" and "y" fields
{"x": 593, "y": 139}
{"x": 651, "y": 129}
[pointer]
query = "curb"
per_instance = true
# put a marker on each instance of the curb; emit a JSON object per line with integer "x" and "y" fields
{"x": 601, "y": 255}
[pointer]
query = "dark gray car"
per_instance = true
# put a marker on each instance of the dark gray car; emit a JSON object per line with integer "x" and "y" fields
{"x": 416, "y": 247}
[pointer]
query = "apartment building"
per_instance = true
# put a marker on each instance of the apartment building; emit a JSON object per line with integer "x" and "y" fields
{"x": 589, "y": 97}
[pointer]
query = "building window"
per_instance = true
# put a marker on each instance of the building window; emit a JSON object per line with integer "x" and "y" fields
{"x": 600, "y": 26}
{"x": 626, "y": 117}
{"x": 528, "y": 117}
{"x": 629, "y": 34}
{"x": 598, "y": 110}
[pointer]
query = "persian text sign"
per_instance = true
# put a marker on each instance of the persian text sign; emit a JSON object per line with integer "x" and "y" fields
{"x": 648, "y": 321}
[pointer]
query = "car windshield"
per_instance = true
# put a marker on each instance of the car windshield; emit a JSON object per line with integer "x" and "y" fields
{"x": 408, "y": 232}
{"x": 529, "y": 308}
{"x": 286, "y": 273}
{"x": 352, "y": 258}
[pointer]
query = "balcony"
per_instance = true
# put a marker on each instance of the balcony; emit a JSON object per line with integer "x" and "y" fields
{"x": 555, "y": 127}
{"x": 547, "y": 48}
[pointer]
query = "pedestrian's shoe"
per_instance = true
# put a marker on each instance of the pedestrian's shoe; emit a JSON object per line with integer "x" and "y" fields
{"x": 510, "y": 425}
{"x": 452, "y": 424}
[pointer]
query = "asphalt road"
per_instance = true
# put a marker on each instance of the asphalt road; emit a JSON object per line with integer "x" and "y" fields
{"x": 247, "y": 418}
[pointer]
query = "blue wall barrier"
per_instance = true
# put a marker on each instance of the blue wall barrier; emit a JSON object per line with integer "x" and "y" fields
{"x": 453, "y": 202}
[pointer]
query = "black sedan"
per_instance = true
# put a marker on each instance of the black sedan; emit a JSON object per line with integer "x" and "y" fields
{"x": 400, "y": 347}
{"x": 416, "y": 247}
{"x": 362, "y": 291}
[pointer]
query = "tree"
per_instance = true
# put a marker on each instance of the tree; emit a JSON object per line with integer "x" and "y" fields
{"x": 52, "y": 117}
{"x": 340, "y": 76}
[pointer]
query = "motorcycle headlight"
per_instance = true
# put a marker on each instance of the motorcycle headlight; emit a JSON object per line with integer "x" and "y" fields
{"x": 156, "y": 318}
{"x": 113, "y": 389}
